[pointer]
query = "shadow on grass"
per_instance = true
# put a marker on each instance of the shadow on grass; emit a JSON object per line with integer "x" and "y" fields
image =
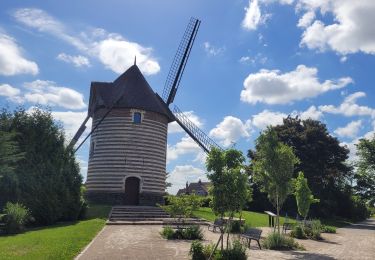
{"x": 38, "y": 228}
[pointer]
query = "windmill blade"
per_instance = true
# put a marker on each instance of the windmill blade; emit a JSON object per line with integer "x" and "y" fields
{"x": 200, "y": 137}
{"x": 79, "y": 132}
{"x": 179, "y": 61}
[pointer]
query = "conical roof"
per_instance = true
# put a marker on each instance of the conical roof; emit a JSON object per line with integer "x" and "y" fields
{"x": 129, "y": 90}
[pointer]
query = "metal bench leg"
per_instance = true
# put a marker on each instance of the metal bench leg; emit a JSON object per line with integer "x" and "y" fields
{"x": 259, "y": 245}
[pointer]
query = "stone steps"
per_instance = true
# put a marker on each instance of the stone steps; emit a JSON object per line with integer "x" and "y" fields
{"x": 145, "y": 215}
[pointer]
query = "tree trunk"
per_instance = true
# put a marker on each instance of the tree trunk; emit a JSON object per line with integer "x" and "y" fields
{"x": 277, "y": 213}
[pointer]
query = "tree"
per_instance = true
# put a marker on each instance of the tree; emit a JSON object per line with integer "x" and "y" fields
{"x": 273, "y": 168}
{"x": 9, "y": 156}
{"x": 322, "y": 160}
{"x": 47, "y": 177}
{"x": 304, "y": 197}
{"x": 230, "y": 188}
{"x": 365, "y": 175}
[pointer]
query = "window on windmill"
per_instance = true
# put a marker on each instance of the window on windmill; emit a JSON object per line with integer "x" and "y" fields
{"x": 92, "y": 148}
{"x": 137, "y": 118}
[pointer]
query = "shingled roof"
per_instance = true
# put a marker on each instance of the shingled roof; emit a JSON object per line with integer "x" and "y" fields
{"x": 129, "y": 90}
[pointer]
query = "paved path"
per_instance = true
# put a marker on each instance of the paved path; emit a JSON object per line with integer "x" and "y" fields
{"x": 144, "y": 242}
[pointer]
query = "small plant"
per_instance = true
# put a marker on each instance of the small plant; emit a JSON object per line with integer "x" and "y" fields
{"x": 276, "y": 241}
{"x": 237, "y": 252}
{"x": 192, "y": 233}
{"x": 298, "y": 232}
{"x": 316, "y": 230}
{"x": 167, "y": 232}
{"x": 196, "y": 251}
{"x": 328, "y": 229}
{"x": 16, "y": 216}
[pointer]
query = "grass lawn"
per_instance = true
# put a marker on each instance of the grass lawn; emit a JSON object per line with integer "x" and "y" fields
{"x": 253, "y": 219}
{"x": 60, "y": 241}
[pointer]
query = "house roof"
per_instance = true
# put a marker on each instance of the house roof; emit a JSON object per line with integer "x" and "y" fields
{"x": 129, "y": 90}
{"x": 195, "y": 186}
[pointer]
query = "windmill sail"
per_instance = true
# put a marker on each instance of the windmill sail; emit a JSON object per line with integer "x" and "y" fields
{"x": 179, "y": 61}
{"x": 201, "y": 138}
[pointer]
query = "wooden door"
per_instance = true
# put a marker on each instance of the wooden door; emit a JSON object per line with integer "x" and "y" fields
{"x": 132, "y": 191}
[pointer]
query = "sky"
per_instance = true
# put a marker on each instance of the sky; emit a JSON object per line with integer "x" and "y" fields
{"x": 253, "y": 63}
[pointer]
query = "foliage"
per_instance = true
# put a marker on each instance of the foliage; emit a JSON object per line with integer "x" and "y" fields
{"x": 182, "y": 205}
{"x": 328, "y": 229}
{"x": 167, "y": 232}
{"x": 273, "y": 166}
{"x": 206, "y": 201}
{"x": 16, "y": 216}
{"x": 236, "y": 252}
{"x": 322, "y": 160}
{"x": 9, "y": 156}
{"x": 196, "y": 251}
{"x": 277, "y": 241}
{"x": 314, "y": 230}
{"x": 47, "y": 179}
{"x": 303, "y": 195}
{"x": 365, "y": 175}
{"x": 230, "y": 187}
{"x": 235, "y": 226}
{"x": 298, "y": 232}
{"x": 190, "y": 233}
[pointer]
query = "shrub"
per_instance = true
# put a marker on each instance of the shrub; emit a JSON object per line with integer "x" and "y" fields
{"x": 16, "y": 216}
{"x": 276, "y": 241}
{"x": 196, "y": 251}
{"x": 206, "y": 201}
{"x": 314, "y": 230}
{"x": 167, "y": 232}
{"x": 235, "y": 226}
{"x": 298, "y": 232}
{"x": 192, "y": 233}
{"x": 237, "y": 252}
{"x": 328, "y": 229}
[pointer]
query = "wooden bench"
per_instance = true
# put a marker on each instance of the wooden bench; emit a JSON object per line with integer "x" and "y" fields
{"x": 252, "y": 233}
{"x": 218, "y": 223}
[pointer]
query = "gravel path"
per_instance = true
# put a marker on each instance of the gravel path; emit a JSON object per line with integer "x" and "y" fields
{"x": 144, "y": 242}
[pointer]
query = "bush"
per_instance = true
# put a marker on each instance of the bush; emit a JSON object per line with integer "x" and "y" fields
{"x": 206, "y": 201}
{"x": 276, "y": 241}
{"x": 298, "y": 232}
{"x": 314, "y": 230}
{"x": 16, "y": 216}
{"x": 237, "y": 252}
{"x": 328, "y": 229}
{"x": 167, "y": 232}
{"x": 235, "y": 226}
{"x": 190, "y": 233}
{"x": 196, "y": 251}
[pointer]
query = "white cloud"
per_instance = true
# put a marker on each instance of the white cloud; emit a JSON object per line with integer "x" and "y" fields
{"x": 258, "y": 58}
{"x": 212, "y": 50}
{"x": 185, "y": 146}
{"x": 174, "y": 127}
{"x": 182, "y": 174}
{"x": 71, "y": 121}
{"x": 7, "y": 90}
{"x": 267, "y": 118}
{"x": 311, "y": 113}
{"x": 351, "y": 31}
{"x": 350, "y": 130}
{"x": 253, "y": 16}
{"x": 12, "y": 61}
{"x": 77, "y": 61}
{"x": 273, "y": 87}
{"x": 306, "y": 19}
{"x": 113, "y": 50}
{"x": 229, "y": 131}
{"x": 349, "y": 107}
{"x": 48, "y": 93}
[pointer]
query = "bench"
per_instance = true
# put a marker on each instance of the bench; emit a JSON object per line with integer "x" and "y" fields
{"x": 252, "y": 233}
{"x": 288, "y": 226}
{"x": 218, "y": 223}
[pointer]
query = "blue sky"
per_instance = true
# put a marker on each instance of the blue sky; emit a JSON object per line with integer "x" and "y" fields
{"x": 253, "y": 63}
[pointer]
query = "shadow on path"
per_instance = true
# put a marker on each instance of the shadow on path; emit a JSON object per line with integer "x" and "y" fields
{"x": 368, "y": 224}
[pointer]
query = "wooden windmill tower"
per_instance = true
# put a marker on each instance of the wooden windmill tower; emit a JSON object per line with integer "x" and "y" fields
{"x": 127, "y": 161}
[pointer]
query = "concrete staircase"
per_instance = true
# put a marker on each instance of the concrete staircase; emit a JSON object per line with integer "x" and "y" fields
{"x": 144, "y": 215}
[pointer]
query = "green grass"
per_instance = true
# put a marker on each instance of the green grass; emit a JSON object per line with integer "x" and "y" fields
{"x": 61, "y": 241}
{"x": 253, "y": 219}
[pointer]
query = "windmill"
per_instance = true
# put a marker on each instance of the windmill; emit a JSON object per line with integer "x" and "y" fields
{"x": 127, "y": 160}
